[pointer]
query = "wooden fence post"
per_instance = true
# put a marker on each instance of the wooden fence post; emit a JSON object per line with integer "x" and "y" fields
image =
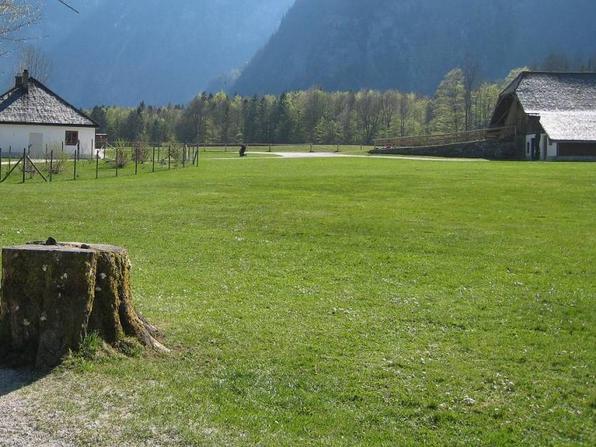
{"x": 153, "y": 160}
{"x": 97, "y": 165}
{"x": 51, "y": 164}
{"x": 24, "y": 164}
{"x": 74, "y": 175}
{"x": 136, "y": 153}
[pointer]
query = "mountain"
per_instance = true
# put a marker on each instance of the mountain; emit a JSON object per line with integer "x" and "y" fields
{"x": 411, "y": 44}
{"x": 124, "y": 51}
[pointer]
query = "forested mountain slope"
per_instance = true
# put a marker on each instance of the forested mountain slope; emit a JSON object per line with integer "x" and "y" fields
{"x": 411, "y": 44}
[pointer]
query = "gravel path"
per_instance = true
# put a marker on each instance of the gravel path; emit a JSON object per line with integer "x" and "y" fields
{"x": 19, "y": 416}
{"x": 294, "y": 155}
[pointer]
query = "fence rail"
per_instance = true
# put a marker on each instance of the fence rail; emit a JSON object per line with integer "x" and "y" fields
{"x": 448, "y": 138}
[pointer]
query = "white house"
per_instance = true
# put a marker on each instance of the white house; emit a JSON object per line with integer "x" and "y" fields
{"x": 34, "y": 118}
{"x": 554, "y": 115}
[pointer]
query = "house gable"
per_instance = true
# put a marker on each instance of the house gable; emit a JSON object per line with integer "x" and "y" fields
{"x": 30, "y": 102}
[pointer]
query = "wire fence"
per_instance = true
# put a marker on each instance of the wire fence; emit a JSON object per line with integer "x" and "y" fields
{"x": 132, "y": 159}
{"x": 448, "y": 138}
{"x": 124, "y": 159}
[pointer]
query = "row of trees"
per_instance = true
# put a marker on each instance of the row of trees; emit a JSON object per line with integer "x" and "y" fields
{"x": 312, "y": 116}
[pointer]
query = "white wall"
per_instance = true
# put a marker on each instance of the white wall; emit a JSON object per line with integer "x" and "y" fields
{"x": 552, "y": 150}
{"x": 17, "y": 137}
{"x": 549, "y": 150}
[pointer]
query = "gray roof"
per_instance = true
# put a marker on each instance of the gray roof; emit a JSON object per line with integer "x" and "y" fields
{"x": 552, "y": 92}
{"x": 569, "y": 126}
{"x": 36, "y": 104}
{"x": 565, "y": 103}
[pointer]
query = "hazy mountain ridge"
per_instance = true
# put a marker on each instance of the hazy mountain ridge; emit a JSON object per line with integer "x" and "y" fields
{"x": 411, "y": 44}
{"x": 125, "y": 51}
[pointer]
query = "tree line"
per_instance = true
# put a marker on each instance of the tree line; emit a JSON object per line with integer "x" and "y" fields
{"x": 460, "y": 103}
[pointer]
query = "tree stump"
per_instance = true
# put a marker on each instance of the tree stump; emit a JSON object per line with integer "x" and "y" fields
{"x": 55, "y": 294}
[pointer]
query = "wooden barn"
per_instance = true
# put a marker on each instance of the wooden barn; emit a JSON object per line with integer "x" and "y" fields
{"x": 34, "y": 118}
{"x": 554, "y": 115}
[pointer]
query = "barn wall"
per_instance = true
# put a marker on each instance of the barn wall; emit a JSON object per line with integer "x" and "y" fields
{"x": 526, "y": 128}
{"x": 516, "y": 118}
{"x": 577, "y": 151}
{"x": 17, "y": 137}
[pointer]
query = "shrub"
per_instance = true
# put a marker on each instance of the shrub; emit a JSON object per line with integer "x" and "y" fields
{"x": 175, "y": 154}
{"x": 140, "y": 152}
{"x": 120, "y": 156}
{"x": 59, "y": 162}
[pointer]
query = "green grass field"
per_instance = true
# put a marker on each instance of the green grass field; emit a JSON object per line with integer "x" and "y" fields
{"x": 88, "y": 168}
{"x": 342, "y": 148}
{"x": 337, "y": 302}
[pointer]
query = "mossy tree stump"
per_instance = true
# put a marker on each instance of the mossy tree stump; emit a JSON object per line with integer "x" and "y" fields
{"x": 54, "y": 295}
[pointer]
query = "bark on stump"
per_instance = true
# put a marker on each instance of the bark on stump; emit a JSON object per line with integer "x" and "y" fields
{"x": 54, "y": 295}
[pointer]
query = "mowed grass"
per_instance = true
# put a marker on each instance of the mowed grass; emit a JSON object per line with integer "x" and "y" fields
{"x": 337, "y": 302}
{"x": 157, "y": 160}
{"x": 341, "y": 148}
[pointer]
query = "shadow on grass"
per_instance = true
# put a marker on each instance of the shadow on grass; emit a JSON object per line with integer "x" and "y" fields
{"x": 14, "y": 379}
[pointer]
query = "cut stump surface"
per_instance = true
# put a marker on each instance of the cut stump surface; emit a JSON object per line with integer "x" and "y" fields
{"x": 54, "y": 295}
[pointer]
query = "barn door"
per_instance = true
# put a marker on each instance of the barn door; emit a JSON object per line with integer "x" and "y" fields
{"x": 36, "y": 145}
{"x": 534, "y": 150}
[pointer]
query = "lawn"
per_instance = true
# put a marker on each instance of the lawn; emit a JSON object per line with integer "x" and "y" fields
{"x": 341, "y": 148}
{"x": 156, "y": 160}
{"x": 336, "y": 302}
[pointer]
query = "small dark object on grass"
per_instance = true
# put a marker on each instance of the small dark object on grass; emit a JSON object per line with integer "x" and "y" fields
{"x": 243, "y": 150}
{"x": 51, "y": 241}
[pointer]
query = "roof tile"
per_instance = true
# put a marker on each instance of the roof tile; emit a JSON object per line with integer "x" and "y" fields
{"x": 39, "y": 105}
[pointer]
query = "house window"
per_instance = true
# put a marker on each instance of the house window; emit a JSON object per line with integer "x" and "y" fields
{"x": 71, "y": 138}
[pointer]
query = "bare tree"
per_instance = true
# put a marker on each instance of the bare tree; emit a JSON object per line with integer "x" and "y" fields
{"x": 404, "y": 111}
{"x": 471, "y": 72}
{"x": 15, "y": 15}
{"x": 69, "y": 6}
{"x": 38, "y": 64}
